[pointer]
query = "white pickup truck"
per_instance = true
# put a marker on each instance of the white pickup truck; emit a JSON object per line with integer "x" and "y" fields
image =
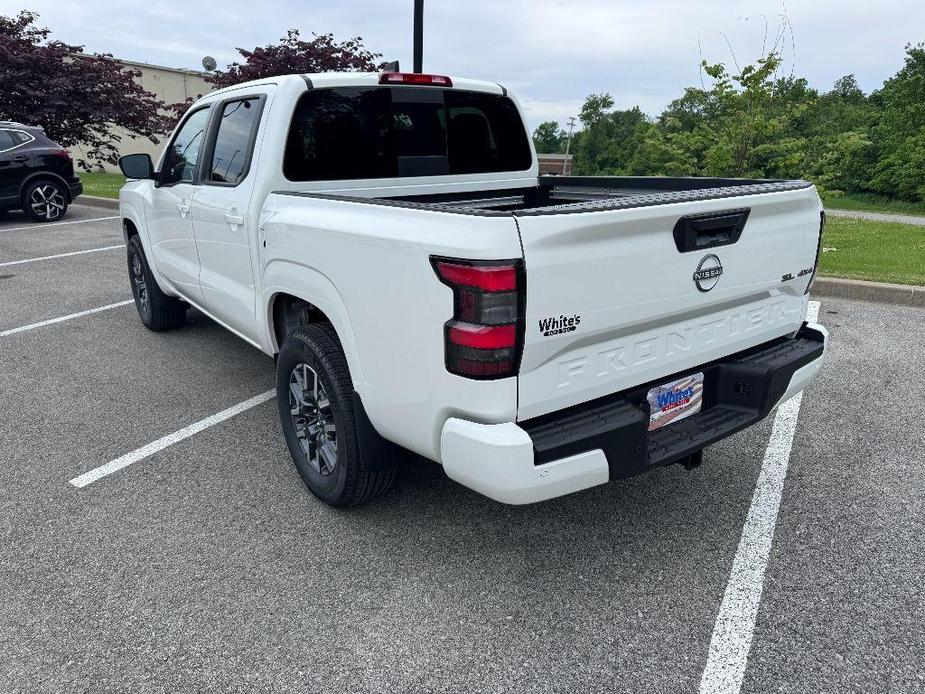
{"x": 388, "y": 239}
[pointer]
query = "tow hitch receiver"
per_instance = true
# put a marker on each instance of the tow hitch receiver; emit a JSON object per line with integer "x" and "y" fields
{"x": 692, "y": 461}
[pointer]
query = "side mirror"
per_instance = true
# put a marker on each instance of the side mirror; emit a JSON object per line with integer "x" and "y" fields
{"x": 137, "y": 166}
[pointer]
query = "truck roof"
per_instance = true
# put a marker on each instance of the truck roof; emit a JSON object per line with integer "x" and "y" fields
{"x": 359, "y": 79}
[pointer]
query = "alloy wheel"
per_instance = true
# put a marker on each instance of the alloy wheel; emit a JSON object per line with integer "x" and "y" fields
{"x": 47, "y": 201}
{"x": 141, "y": 287}
{"x": 313, "y": 419}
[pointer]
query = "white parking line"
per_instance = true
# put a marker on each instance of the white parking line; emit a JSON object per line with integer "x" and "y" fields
{"x": 62, "y": 255}
{"x": 735, "y": 623}
{"x": 61, "y": 319}
{"x": 40, "y": 227}
{"x": 140, "y": 454}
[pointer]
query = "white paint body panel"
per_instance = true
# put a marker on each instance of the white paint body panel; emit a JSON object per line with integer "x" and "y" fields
{"x": 497, "y": 460}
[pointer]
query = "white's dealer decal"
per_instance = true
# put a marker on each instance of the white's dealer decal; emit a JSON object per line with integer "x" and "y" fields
{"x": 557, "y": 326}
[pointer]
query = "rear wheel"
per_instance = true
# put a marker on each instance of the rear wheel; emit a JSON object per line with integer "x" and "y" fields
{"x": 44, "y": 201}
{"x": 157, "y": 311}
{"x": 314, "y": 393}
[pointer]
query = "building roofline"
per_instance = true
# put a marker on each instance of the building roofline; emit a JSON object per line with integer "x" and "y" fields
{"x": 136, "y": 63}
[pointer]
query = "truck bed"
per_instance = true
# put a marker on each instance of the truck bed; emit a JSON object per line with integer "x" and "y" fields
{"x": 571, "y": 194}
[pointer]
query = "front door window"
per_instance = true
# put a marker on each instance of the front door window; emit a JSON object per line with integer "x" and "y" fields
{"x": 182, "y": 155}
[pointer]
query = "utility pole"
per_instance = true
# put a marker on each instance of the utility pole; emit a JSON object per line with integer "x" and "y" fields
{"x": 419, "y": 36}
{"x": 568, "y": 144}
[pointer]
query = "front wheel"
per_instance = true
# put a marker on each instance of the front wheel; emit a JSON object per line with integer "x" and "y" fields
{"x": 314, "y": 393}
{"x": 44, "y": 201}
{"x": 157, "y": 311}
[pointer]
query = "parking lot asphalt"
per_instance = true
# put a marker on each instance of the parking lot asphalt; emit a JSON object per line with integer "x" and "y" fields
{"x": 209, "y": 567}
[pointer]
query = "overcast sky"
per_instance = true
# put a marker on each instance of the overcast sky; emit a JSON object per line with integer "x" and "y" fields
{"x": 552, "y": 52}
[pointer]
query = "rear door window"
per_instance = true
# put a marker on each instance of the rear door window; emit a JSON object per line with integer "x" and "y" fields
{"x": 234, "y": 141}
{"x": 6, "y": 140}
{"x": 386, "y": 132}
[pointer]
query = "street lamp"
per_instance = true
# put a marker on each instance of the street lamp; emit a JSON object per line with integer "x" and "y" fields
{"x": 419, "y": 36}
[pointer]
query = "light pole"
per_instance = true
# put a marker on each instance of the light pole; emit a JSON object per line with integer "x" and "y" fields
{"x": 419, "y": 36}
{"x": 568, "y": 143}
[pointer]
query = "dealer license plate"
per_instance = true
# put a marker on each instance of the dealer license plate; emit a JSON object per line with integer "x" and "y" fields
{"x": 672, "y": 402}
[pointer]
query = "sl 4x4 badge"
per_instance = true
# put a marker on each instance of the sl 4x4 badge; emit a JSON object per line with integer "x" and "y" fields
{"x": 557, "y": 326}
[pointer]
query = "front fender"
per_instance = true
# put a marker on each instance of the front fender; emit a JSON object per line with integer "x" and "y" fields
{"x": 132, "y": 209}
{"x": 310, "y": 285}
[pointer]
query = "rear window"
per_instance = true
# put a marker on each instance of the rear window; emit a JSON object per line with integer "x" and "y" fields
{"x": 385, "y": 132}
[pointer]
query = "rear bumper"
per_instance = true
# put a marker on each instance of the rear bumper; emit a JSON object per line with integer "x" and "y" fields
{"x": 608, "y": 438}
{"x": 76, "y": 188}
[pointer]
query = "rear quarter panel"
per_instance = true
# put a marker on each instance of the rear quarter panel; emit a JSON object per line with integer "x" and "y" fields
{"x": 367, "y": 266}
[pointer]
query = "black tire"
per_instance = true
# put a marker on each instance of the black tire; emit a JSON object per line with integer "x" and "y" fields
{"x": 157, "y": 311}
{"x": 45, "y": 200}
{"x": 316, "y": 347}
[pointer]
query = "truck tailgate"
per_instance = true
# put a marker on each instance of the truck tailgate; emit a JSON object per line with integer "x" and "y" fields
{"x": 617, "y": 298}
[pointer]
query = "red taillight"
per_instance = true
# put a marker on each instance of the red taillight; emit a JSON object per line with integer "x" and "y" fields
{"x": 62, "y": 153}
{"x": 415, "y": 78}
{"x": 488, "y": 278}
{"x": 485, "y": 337}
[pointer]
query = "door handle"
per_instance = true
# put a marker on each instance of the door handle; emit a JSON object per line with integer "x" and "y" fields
{"x": 183, "y": 207}
{"x": 19, "y": 158}
{"x": 234, "y": 220}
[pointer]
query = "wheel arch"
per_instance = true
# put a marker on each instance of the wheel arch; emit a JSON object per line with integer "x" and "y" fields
{"x": 376, "y": 452}
{"x": 133, "y": 225}
{"x": 298, "y": 295}
{"x": 129, "y": 229}
{"x": 41, "y": 175}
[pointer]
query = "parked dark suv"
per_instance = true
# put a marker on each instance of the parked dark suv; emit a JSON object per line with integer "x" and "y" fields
{"x": 36, "y": 174}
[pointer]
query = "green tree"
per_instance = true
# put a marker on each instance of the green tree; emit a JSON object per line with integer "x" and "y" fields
{"x": 595, "y": 107}
{"x": 740, "y": 125}
{"x": 610, "y": 139}
{"x": 900, "y": 130}
{"x": 549, "y": 138}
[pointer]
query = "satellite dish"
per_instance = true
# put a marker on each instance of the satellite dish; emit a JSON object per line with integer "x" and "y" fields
{"x": 208, "y": 63}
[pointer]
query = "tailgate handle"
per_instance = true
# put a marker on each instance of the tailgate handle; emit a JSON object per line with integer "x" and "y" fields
{"x": 695, "y": 232}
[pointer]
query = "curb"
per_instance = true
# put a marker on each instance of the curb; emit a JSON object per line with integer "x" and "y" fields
{"x": 94, "y": 201}
{"x": 902, "y": 294}
{"x": 892, "y": 217}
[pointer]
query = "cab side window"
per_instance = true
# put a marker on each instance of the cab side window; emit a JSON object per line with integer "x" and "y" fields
{"x": 234, "y": 142}
{"x": 182, "y": 157}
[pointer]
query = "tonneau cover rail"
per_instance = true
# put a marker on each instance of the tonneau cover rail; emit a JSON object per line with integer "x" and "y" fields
{"x": 613, "y": 197}
{"x": 595, "y": 194}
